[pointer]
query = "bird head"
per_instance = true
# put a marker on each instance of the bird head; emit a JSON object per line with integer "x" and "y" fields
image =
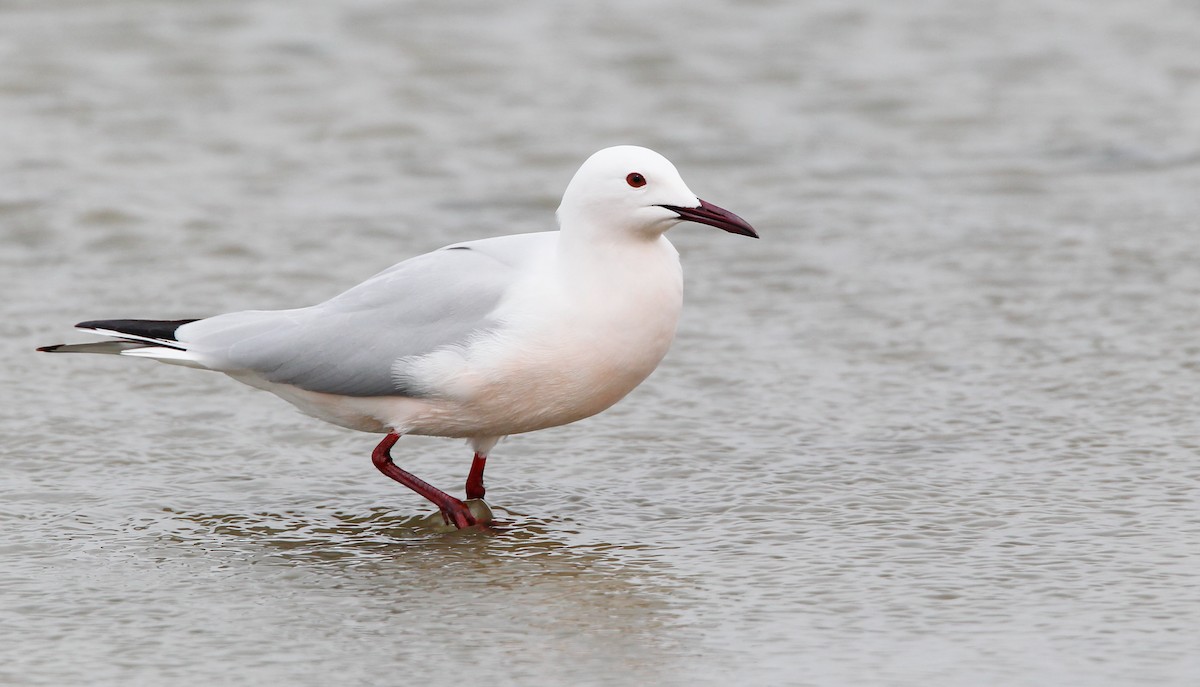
{"x": 634, "y": 190}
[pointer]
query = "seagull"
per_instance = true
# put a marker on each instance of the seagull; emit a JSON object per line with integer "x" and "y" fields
{"x": 476, "y": 340}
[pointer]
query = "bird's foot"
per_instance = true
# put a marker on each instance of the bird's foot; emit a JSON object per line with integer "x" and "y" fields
{"x": 469, "y": 513}
{"x": 456, "y": 513}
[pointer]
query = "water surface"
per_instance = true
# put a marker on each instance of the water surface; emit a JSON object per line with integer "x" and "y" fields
{"x": 936, "y": 428}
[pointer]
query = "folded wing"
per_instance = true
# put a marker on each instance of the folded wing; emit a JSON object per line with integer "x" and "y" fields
{"x": 355, "y": 344}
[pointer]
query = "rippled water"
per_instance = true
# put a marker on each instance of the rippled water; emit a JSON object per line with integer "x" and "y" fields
{"x": 936, "y": 428}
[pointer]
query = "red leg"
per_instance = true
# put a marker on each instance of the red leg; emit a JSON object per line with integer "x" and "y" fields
{"x": 475, "y": 488}
{"x": 453, "y": 510}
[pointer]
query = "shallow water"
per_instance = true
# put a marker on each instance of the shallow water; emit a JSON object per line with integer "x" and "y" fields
{"x": 936, "y": 428}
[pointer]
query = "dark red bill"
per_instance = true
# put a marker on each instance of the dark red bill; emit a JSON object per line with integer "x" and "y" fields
{"x": 714, "y": 216}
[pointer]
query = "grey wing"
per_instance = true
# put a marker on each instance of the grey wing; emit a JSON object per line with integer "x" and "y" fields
{"x": 350, "y": 344}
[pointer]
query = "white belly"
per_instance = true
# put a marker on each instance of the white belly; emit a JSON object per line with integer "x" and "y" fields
{"x": 554, "y": 383}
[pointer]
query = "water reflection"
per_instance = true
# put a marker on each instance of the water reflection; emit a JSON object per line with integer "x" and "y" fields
{"x": 499, "y": 590}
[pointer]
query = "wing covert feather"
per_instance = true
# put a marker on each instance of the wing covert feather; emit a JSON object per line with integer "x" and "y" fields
{"x": 349, "y": 344}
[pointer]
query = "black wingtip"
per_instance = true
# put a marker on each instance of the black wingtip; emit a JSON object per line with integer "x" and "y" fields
{"x": 153, "y": 329}
{"x": 50, "y": 349}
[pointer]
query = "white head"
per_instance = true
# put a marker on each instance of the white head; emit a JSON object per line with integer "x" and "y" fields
{"x": 635, "y": 190}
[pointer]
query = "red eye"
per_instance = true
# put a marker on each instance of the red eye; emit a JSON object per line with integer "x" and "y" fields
{"x": 635, "y": 180}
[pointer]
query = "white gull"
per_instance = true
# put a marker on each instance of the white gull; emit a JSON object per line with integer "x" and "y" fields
{"x": 476, "y": 340}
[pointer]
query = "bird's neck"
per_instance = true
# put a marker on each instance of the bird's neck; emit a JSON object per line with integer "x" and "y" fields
{"x": 602, "y": 248}
{"x": 617, "y": 269}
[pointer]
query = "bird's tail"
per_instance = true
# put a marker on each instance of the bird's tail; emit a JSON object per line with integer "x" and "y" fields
{"x": 142, "y": 338}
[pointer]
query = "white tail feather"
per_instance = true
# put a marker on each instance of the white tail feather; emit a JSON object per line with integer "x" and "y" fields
{"x": 173, "y": 356}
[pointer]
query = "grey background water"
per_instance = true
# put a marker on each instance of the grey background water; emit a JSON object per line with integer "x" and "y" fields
{"x": 938, "y": 427}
